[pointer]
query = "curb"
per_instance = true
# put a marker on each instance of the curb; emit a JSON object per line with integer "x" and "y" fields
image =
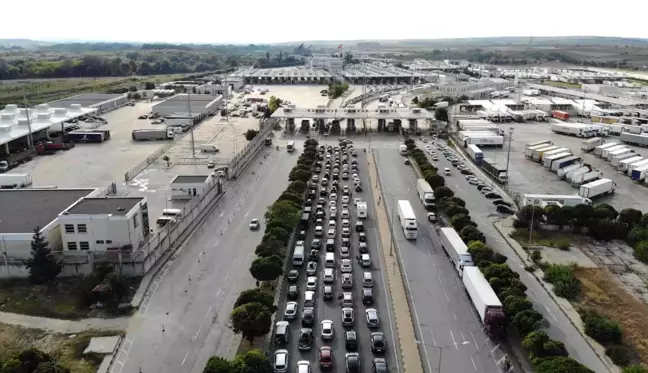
{"x": 590, "y": 342}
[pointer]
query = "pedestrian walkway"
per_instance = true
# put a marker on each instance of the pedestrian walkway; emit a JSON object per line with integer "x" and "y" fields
{"x": 63, "y": 326}
{"x": 410, "y": 356}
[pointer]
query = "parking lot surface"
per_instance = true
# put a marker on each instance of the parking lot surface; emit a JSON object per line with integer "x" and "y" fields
{"x": 332, "y": 309}
{"x": 526, "y": 176}
{"x": 305, "y": 96}
{"x": 96, "y": 165}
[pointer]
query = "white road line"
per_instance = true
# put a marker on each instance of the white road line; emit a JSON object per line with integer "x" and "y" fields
{"x": 551, "y": 313}
{"x": 474, "y": 340}
{"x": 433, "y": 340}
{"x": 447, "y": 297}
{"x": 197, "y": 333}
{"x": 433, "y": 265}
{"x": 185, "y": 358}
{"x": 209, "y": 310}
{"x": 217, "y": 294}
{"x": 440, "y": 281}
{"x": 226, "y": 276}
{"x": 499, "y": 362}
{"x": 454, "y": 341}
{"x": 474, "y": 365}
{"x": 463, "y": 339}
{"x": 455, "y": 315}
{"x": 494, "y": 348}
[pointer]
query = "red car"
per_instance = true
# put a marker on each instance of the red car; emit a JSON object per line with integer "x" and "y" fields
{"x": 325, "y": 357}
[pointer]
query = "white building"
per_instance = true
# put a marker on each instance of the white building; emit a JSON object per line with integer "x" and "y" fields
{"x": 189, "y": 186}
{"x": 185, "y": 103}
{"x": 106, "y": 223}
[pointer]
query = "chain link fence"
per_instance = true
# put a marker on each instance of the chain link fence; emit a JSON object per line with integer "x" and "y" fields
{"x": 130, "y": 174}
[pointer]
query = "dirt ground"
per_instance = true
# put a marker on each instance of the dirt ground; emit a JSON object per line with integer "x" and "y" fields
{"x": 602, "y": 291}
{"x": 67, "y": 349}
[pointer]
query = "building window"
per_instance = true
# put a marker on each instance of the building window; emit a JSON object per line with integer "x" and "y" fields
{"x": 69, "y": 228}
{"x": 84, "y": 245}
{"x": 82, "y": 228}
{"x": 135, "y": 222}
{"x": 108, "y": 242}
{"x": 72, "y": 246}
{"x": 100, "y": 242}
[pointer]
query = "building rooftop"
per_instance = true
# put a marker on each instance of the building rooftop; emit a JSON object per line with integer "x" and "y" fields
{"x": 581, "y": 94}
{"x": 190, "y": 179}
{"x": 85, "y": 100}
{"x": 104, "y": 206}
{"x": 352, "y": 113}
{"x": 25, "y": 209}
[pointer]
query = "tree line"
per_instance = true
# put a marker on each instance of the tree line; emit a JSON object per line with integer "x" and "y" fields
{"x": 547, "y": 355}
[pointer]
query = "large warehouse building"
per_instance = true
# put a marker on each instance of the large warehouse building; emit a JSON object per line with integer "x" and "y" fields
{"x": 178, "y": 105}
{"x": 103, "y": 102}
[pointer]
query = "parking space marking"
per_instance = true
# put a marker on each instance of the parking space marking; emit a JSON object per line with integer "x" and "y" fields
{"x": 475, "y": 340}
{"x": 473, "y": 362}
{"x": 185, "y": 358}
{"x": 454, "y": 342}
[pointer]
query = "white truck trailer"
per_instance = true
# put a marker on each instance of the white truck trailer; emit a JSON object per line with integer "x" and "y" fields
{"x": 537, "y": 153}
{"x": 361, "y": 208}
{"x": 586, "y": 178}
{"x": 618, "y": 152}
{"x": 153, "y": 134}
{"x": 548, "y": 159}
{"x": 639, "y": 173}
{"x": 554, "y": 151}
{"x": 475, "y": 153}
{"x": 615, "y": 129}
{"x": 597, "y": 188}
{"x": 605, "y": 152}
{"x": 15, "y": 181}
{"x": 425, "y": 192}
{"x": 635, "y": 139}
{"x": 599, "y": 149}
{"x": 636, "y": 165}
{"x": 566, "y": 170}
{"x": 564, "y": 162}
{"x": 563, "y": 199}
{"x": 618, "y": 158}
{"x": 456, "y": 249}
{"x": 573, "y": 176}
{"x": 407, "y": 219}
{"x": 625, "y": 163}
{"x": 589, "y": 144}
{"x": 528, "y": 151}
{"x": 573, "y": 129}
{"x": 486, "y": 303}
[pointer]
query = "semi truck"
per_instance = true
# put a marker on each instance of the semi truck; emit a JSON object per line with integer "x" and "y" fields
{"x": 635, "y": 139}
{"x": 425, "y": 192}
{"x": 615, "y": 129}
{"x": 537, "y": 154}
{"x": 540, "y": 142}
{"x": 618, "y": 152}
{"x": 621, "y": 157}
{"x": 624, "y": 164}
{"x": 562, "y": 115}
{"x": 599, "y": 149}
{"x": 85, "y": 137}
{"x": 475, "y": 153}
{"x": 586, "y": 178}
{"x": 553, "y": 152}
{"x": 573, "y": 129}
{"x": 597, "y": 188}
{"x": 483, "y": 298}
{"x": 528, "y": 151}
{"x": 636, "y": 165}
{"x": 589, "y": 144}
{"x": 456, "y": 249}
{"x": 564, "y": 162}
{"x": 496, "y": 171}
{"x": 483, "y": 140}
{"x": 639, "y": 173}
{"x": 407, "y": 219}
{"x": 606, "y": 151}
{"x": 153, "y": 134}
{"x": 547, "y": 161}
{"x": 563, "y": 199}
{"x": 361, "y": 208}
{"x": 15, "y": 181}
{"x": 566, "y": 170}
{"x": 573, "y": 176}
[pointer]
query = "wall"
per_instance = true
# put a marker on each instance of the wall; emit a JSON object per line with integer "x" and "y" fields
{"x": 114, "y": 231}
{"x": 184, "y": 190}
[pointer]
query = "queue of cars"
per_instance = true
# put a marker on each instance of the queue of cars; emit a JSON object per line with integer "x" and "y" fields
{"x": 502, "y": 206}
{"x": 327, "y": 216}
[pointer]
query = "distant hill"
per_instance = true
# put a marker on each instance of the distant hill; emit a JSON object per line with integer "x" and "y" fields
{"x": 22, "y": 43}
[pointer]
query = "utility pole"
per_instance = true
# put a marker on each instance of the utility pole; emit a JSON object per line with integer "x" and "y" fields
{"x": 191, "y": 124}
{"x": 508, "y": 153}
{"x": 30, "y": 136}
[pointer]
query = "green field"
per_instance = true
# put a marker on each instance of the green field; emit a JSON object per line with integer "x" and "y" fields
{"x": 562, "y": 84}
{"x": 38, "y": 91}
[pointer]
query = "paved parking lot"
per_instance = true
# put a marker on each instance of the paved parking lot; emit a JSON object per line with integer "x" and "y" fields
{"x": 306, "y": 96}
{"x": 525, "y": 176}
{"x": 332, "y": 309}
{"x": 96, "y": 165}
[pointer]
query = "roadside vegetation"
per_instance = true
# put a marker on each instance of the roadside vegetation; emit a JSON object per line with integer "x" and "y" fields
{"x": 253, "y": 361}
{"x": 565, "y": 85}
{"x": 44, "y": 294}
{"x": 546, "y": 355}
{"x": 337, "y": 89}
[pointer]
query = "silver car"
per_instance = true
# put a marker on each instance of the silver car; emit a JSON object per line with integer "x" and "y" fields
{"x": 345, "y": 266}
{"x": 290, "y": 313}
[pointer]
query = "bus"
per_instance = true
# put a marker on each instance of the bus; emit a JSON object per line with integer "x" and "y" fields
{"x": 407, "y": 219}
{"x": 291, "y": 146}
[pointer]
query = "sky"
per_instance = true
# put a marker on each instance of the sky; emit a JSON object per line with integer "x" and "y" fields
{"x": 256, "y": 21}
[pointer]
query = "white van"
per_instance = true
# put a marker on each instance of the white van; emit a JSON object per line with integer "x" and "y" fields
{"x": 298, "y": 256}
{"x": 172, "y": 213}
{"x": 365, "y": 261}
{"x": 209, "y": 148}
{"x": 446, "y": 171}
{"x": 329, "y": 260}
{"x": 367, "y": 280}
{"x": 403, "y": 149}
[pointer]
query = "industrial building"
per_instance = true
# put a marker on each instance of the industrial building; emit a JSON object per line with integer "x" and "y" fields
{"x": 75, "y": 222}
{"x": 283, "y": 75}
{"x": 103, "y": 102}
{"x": 198, "y": 105}
{"x": 186, "y": 187}
{"x": 572, "y": 94}
{"x": 366, "y": 73}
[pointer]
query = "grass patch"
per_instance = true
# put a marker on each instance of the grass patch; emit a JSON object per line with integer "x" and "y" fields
{"x": 61, "y": 300}
{"x": 602, "y": 292}
{"x": 66, "y": 348}
{"x": 539, "y": 237}
{"x": 563, "y": 84}
{"x": 638, "y": 81}
{"x": 43, "y": 90}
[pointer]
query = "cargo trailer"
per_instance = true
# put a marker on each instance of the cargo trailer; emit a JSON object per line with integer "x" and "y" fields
{"x": 618, "y": 152}
{"x": 597, "y": 188}
{"x": 15, "y": 181}
{"x": 537, "y": 154}
{"x": 536, "y": 143}
{"x": 456, "y": 249}
{"x": 564, "y": 162}
{"x": 483, "y": 298}
{"x": 496, "y": 171}
{"x": 639, "y": 173}
{"x": 548, "y": 160}
{"x": 599, "y": 149}
{"x": 572, "y": 176}
{"x": 567, "y": 169}
{"x": 528, "y": 152}
{"x": 636, "y": 130}
{"x": 605, "y": 152}
{"x": 623, "y": 164}
{"x": 153, "y": 134}
{"x": 475, "y": 153}
{"x": 615, "y": 129}
{"x": 639, "y": 140}
{"x": 563, "y": 199}
{"x": 562, "y": 115}
{"x": 590, "y": 144}
{"x": 553, "y": 152}
{"x": 574, "y": 129}
{"x": 636, "y": 165}
{"x": 618, "y": 158}
{"x": 586, "y": 178}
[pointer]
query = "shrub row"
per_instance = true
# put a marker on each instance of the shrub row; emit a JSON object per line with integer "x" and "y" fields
{"x": 253, "y": 361}
{"x": 252, "y": 313}
{"x": 609, "y": 334}
{"x": 546, "y": 354}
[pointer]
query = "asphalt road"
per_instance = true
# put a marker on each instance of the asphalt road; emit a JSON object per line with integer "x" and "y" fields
{"x": 483, "y": 213}
{"x": 446, "y": 323}
{"x": 186, "y": 320}
{"x": 332, "y": 310}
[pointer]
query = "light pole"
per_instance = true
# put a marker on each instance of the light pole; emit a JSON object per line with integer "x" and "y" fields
{"x": 441, "y": 348}
{"x": 508, "y": 153}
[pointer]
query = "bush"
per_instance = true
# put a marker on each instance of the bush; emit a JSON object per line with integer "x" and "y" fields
{"x": 471, "y": 233}
{"x": 600, "y": 328}
{"x": 250, "y": 134}
{"x": 635, "y": 369}
{"x": 622, "y": 355}
{"x": 563, "y": 244}
{"x": 641, "y": 251}
{"x": 460, "y": 221}
{"x": 563, "y": 280}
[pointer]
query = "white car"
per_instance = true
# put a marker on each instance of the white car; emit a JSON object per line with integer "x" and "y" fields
{"x": 329, "y": 275}
{"x": 346, "y": 232}
{"x": 290, "y": 313}
{"x": 311, "y": 269}
{"x": 473, "y": 181}
{"x": 332, "y": 203}
{"x": 486, "y": 190}
{"x": 333, "y": 196}
{"x": 330, "y": 233}
{"x": 327, "y": 330}
{"x": 345, "y": 199}
{"x": 346, "y": 223}
{"x": 333, "y": 211}
{"x": 345, "y": 214}
{"x": 304, "y": 366}
{"x": 372, "y": 318}
{"x": 254, "y": 224}
{"x": 345, "y": 266}
{"x": 311, "y": 283}
{"x": 345, "y": 253}
{"x": 319, "y": 231}
{"x": 332, "y": 223}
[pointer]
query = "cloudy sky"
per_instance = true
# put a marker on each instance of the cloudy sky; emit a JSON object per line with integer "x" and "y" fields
{"x": 256, "y": 21}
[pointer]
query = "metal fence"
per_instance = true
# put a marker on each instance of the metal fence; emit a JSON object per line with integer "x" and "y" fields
{"x": 130, "y": 174}
{"x": 240, "y": 160}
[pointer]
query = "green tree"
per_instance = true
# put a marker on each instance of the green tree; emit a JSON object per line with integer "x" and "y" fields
{"x": 266, "y": 268}
{"x": 256, "y": 295}
{"x": 274, "y": 103}
{"x": 441, "y": 114}
{"x": 255, "y": 361}
{"x": 251, "y": 320}
{"x": 285, "y": 212}
{"x": 562, "y": 277}
{"x": 460, "y": 221}
{"x": 435, "y": 181}
{"x": 415, "y": 100}
{"x": 514, "y": 305}
{"x": 442, "y": 192}
{"x": 268, "y": 248}
{"x": 348, "y": 58}
{"x": 471, "y": 233}
{"x": 217, "y": 364}
{"x": 278, "y": 233}
{"x": 527, "y": 321}
{"x": 637, "y": 368}
{"x": 299, "y": 175}
{"x": 43, "y": 266}
{"x": 600, "y": 328}
{"x": 250, "y": 134}
{"x": 561, "y": 364}
{"x": 641, "y": 251}
{"x": 292, "y": 197}
{"x": 298, "y": 187}
{"x": 630, "y": 217}
{"x": 453, "y": 210}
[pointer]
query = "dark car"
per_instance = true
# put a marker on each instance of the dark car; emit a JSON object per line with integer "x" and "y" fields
{"x": 293, "y": 275}
{"x": 314, "y": 255}
{"x": 316, "y": 244}
{"x": 359, "y": 227}
{"x": 378, "y": 343}
{"x": 367, "y": 296}
{"x": 379, "y": 365}
{"x": 346, "y": 242}
{"x": 308, "y": 317}
{"x": 466, "y": 171}
{"x": 358, "y": 188}
{"x": 352, "y": 362}
{"x": 505, "y": 210}
{"x": 325, "y": 357}
{"x": 305, "y": 340}
{"x": 502, "y": 202}
{"x": 493, "y": 195}
{"x": 362, "y": 237}
{"x": 293, "y": 292}
{"x": 363, "y": 248}
{"x": 351, "y": 340}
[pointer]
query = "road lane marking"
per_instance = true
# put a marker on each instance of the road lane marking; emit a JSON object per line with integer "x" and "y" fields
{"x": 463, "y": 339}
{"x": 433, "y": 340}
{"x": 185, "y": 358}
{"x": 440, "y": 281}
{"x": 494, "y": 348}
{"x": 226, "y": 277}
{"x": 499, "y": 362}
{"x": 198, "y": 332}
{"x": 551, "y": 313}
{"x": 209, "y": 310}
{"x": 474, "y": 340}
{"x": 474, "y": 365}
{"x": 454, "y": 341}
{"x": 447, "y": 297}
{"x": 455, "y": 315}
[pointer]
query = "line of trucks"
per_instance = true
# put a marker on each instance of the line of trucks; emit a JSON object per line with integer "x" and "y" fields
{"x": 481, "y": 294}
{"x": 625, "y": 160}
{"x": 497, "y": 171}
{"x": 579, "y": 129}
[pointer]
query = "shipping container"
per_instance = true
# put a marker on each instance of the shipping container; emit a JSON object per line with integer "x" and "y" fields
{"x": 564, "y": 162}
{"x": 548, "y": 160}
{"x": 560, "y": 114}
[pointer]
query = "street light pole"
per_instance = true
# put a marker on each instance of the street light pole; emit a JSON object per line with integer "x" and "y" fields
{"x": 508, "y": 153}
